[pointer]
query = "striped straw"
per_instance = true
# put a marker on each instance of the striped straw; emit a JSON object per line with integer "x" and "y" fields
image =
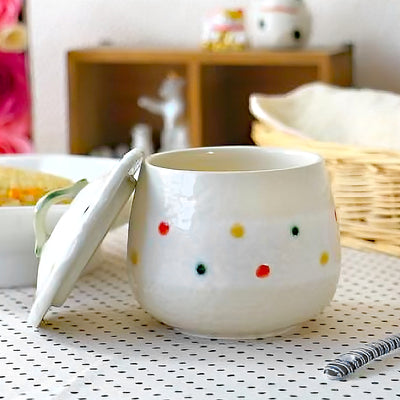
{"x": 347, "y": 363}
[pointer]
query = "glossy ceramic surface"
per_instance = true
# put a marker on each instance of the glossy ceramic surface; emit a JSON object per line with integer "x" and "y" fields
{"x": 233, "y": 241}
{"x": 72, "y": 245}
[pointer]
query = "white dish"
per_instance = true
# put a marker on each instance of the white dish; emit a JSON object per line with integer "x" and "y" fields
{"x": 18, "y": 263}
{"x": 328, "y": 113}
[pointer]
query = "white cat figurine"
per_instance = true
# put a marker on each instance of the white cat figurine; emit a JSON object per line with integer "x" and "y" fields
{"x": 170, "y": 106}
{"x": 279, "y": 23}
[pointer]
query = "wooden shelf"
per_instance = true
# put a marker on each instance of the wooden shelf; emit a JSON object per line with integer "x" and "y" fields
{"x": 105, "y": 83}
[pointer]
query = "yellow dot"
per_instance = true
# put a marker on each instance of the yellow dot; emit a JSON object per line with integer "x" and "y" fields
{"x": 134, "y": 257}
{"x": 237, "y": 230}
{"x": 324, "y": 258}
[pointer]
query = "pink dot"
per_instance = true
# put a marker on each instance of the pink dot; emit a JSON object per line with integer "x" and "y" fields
{"x": 163, "y": 228}
{"x": 263, "y": 271}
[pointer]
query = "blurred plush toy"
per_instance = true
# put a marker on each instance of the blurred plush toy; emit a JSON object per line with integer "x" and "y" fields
{"x": 171, "y": 107}
{"x": 279, "y": 23}
{"x": 223, "y": 29}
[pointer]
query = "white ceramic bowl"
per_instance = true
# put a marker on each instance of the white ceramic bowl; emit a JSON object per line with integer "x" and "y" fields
{"x": 18, "y": 266}
{"x": 233, "y": 241}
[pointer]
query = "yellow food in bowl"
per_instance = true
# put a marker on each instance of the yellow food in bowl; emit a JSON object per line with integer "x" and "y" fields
{"x": 22, "y": 187}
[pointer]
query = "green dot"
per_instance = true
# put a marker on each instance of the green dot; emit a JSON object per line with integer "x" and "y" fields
{"x": 295, "y": 231}
{"x": 201, "y": 269}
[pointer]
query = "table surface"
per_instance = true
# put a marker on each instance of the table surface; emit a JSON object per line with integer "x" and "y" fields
{"x": 101, "y": 344}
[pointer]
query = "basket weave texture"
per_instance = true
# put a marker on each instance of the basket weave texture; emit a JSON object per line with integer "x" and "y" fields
{"x": 365, "y": 186}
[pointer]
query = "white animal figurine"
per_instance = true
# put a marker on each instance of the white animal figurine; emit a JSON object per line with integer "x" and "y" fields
{"x": 141, "y": 138}
{"x": 279, "y": 23}
{"x": 170, "y": 106}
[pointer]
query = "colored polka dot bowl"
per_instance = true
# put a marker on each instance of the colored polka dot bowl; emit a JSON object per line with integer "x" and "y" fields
{"x": 234, "y": 242}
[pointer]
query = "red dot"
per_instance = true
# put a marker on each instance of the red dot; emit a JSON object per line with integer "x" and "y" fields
{"x": 335, "y": 216}
{"x": 163, "y": 228}
{"x": 263, "y": 271}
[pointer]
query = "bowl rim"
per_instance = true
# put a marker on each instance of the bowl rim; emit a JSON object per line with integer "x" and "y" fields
{"x": 41, "y": 156}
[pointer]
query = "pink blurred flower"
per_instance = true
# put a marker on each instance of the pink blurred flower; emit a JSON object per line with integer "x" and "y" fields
{"x": 15, "y": 117}
{"x": 13, "y": 138}
{"x": 9, "y": 11}
{"x": 14, "y": 89}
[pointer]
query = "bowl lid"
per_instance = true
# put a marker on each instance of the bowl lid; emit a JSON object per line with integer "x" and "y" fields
{"x": 78, "y": 233}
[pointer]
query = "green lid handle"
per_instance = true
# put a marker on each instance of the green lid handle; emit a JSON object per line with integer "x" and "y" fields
{"x": 42, "y": 207}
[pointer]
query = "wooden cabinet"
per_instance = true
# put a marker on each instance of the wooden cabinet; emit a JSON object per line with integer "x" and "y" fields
{"x": 105, "y": 83}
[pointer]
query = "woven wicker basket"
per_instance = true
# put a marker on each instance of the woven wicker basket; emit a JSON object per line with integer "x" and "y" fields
{"x": 365, "y": 185}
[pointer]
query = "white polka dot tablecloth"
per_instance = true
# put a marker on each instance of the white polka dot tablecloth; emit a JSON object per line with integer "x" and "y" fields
{"x": 102, "y": 345}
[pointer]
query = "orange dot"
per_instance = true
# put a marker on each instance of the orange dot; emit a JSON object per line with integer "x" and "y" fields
{"x": 134, "y": 257}
{"x": 237, "y": 230}
{"x": 324, "y": 258}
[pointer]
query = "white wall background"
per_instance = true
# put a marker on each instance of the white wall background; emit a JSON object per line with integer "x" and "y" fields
{"x": 55, "y": 26}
